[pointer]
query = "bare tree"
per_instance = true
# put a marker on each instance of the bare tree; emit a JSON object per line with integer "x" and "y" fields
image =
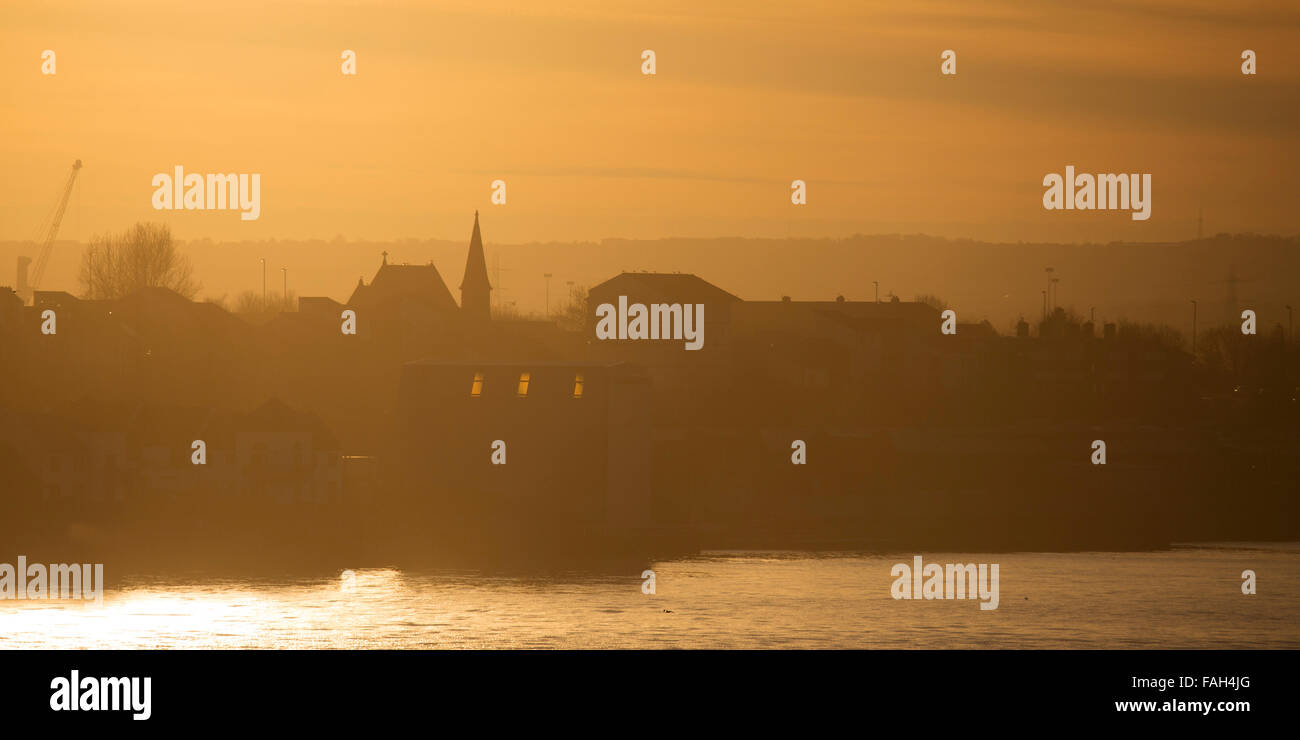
{"x": 143, "y": 256}
{"x": 573, "y": 314}
{"x": 1153, "y": 335}
{"x": 933, "y": 301}
{"x": 507, "y": 312}
{"x": 221, "y": 301}
{"x": 257, "y": 308}
{"x": 1223, "y": 352}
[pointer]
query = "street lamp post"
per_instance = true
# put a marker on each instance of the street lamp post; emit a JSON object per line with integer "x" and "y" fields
{"x": 264, "y": 282}
{"x": 877, "y": 284}
{"x": 1193, "y": 329}
{"x": 1049, "y": 271}
{"x": 547, "y": 275}
{"x": 1286, "y": 346}
{"x": 285, "y": 272}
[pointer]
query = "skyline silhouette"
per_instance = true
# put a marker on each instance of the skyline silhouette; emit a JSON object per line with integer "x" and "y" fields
{"x": 408, "y": 427}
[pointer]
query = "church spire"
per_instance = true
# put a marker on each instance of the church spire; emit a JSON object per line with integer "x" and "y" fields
{"x": 475, "y": 291}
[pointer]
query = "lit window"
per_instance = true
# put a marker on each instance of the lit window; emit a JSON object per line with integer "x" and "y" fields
{"x": 476, "y": 390}
{"x": 577, "y": 386}
{"x": 523, "y": 385}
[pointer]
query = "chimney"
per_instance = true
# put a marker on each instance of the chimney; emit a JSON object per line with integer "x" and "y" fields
{"x": 23, "y": 262}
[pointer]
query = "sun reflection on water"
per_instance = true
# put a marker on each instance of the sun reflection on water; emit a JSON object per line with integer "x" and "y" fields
{"x": 1181, "y": 598}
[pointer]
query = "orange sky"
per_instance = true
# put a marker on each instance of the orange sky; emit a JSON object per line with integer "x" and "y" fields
{"x": 549, "y": 97}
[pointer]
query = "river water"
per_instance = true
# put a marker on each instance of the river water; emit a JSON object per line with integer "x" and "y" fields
{"x": 1185, "y": 597}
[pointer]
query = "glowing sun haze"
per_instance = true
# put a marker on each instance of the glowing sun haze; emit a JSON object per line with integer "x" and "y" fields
{"x": 748, "y": 96}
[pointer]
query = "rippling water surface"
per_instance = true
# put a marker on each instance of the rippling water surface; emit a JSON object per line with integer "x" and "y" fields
{"x": 1182, "y": 598}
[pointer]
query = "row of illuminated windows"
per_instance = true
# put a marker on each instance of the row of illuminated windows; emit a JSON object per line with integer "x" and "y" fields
{"x": 521, "y": 390}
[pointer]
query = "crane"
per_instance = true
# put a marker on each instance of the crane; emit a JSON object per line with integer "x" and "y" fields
{"x": 50, "y": 229}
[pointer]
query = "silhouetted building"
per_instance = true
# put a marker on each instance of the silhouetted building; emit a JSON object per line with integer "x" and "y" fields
{"x": 320, "y": 307}
{"x": 684, "y": 379}
{"x": 11, "y": 309}
{"x": 23, "y": 290}
{"x": 281, "y": 454}
{"x": 835, "y": 360}
{"x": 571, "y": 441}
{"x": 402, "y": 293}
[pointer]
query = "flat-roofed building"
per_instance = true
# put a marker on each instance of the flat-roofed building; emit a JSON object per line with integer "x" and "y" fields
{"x": 571, "y": 441}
